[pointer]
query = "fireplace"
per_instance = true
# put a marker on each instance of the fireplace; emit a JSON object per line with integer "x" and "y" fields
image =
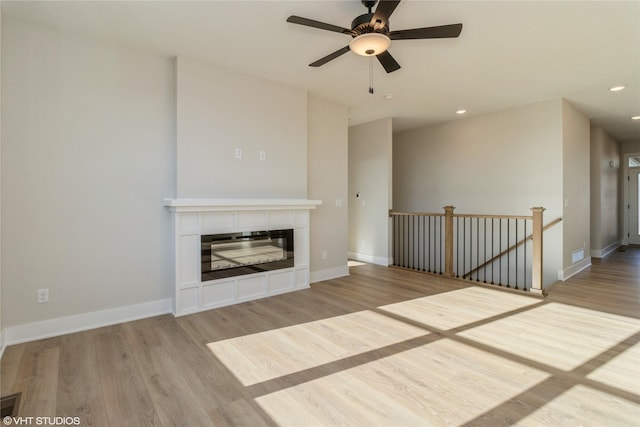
{"x": 236, "y": 254}
{"x": 235, "y": 273}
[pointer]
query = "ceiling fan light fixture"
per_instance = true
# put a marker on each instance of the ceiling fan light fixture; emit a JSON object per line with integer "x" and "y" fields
{"x": 370, "y": 44}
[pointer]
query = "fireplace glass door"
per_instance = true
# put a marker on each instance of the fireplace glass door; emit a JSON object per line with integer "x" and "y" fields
{"x": 234, "y": 254}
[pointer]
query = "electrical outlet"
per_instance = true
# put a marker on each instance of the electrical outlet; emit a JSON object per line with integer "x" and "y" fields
{"x": 262, "y": 155}
{"x": 238, "y": 153}
{"x": 43, "y": 296}
{"x": 324, "y": 254}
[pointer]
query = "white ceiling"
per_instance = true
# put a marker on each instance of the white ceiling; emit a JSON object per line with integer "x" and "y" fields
{"x": 510, "y": 53}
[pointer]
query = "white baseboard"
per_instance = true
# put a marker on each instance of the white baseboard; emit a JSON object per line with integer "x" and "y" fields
{"x": 328, "y": 274}
{"x": 82, "y": 322}
{"x": 371, "y": 259}
{"x": 601, "y": 253}
{"x": 574, "y": 269}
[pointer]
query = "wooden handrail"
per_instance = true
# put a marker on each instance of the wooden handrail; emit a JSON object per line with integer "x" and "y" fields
{"x": 510, "y": 248}
{"x": 395, "y": 213}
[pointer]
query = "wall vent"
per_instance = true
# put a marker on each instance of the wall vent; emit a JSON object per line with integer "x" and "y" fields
{"x": 577, "y": 255}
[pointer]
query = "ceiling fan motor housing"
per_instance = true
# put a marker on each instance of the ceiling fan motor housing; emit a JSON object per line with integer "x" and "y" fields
{"x": 362, "y": 25}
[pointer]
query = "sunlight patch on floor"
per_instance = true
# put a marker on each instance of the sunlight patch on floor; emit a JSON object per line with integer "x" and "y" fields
{"x": 353, "y": 263}
{"x": 271, "y": 354}
{"x": 442, "y": 383}
{"x": 584, "y": 406}
{"x": 558, "y": 335}
{"x": 452, "y": 309}
{"x": 623, "y": 371}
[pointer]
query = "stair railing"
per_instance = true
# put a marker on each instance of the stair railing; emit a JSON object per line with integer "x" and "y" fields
{"x": 503, "y": 250}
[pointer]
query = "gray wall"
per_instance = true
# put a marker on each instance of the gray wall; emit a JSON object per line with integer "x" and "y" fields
{"x": 327, "y": 152}
{"x": 87, "y": 157}
{"x": 370, "y": 176}
{"x": 605, "y": 202}
{"x": 219, "y": 111}
{"x": 95, "y": 136}
{"x": 500, "y": 163}
{"x": 575, "y": 187}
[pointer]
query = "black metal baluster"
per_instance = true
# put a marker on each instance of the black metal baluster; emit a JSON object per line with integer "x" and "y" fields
{"x": 477, "y": 249}
{"x": 424, "y": 241}
{"x": 436, "y": 251}
{"x": 517, "y": 250}
{"x": 440, "y": 246}
{"x": 493, "y": 264}
{"x": 457, "y": 247}
{"x": 435, "y": 243}
{"x": 524, "y": 262}
{"x": 412, "y": 230}
{"x": 432, "y": 221}
{"x": 404, "y": 236}
{"x": 396, "y": 261}
{"x": 417, "y": 231}
{"x": 418, "y": 248}
{"x": 406, "y": 254}
{"x": 394, "y": 239}
{"x": 427, "y": 245}
{"x": 484, "y": 249}
{"x": 508, "y": 252}
{"x": 468, "y": 247}
{"x": 409, "y": 240}
{"x": 500, "y": 252}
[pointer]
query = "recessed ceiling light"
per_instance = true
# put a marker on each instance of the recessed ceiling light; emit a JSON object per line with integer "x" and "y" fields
{"x": 617, "y": 88}
{"x": 461, "y": 111}
{"x": 635, "y": 118}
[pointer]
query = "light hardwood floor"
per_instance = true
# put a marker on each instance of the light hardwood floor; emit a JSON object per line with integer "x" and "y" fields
{"x": 380, "y": 347}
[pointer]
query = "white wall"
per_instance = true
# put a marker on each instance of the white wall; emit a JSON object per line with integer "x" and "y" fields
{"x": 327, "y": 168}
{"x": 220, "y": 110}
{"x": 605, "y": 202}
{"x": 500, "y": 163}
{"x": 87, "y": 158}
{"x": 370, "y": 176}
{"x": 576, "y": 227}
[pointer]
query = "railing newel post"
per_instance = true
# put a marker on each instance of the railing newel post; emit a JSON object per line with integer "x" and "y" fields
{"x": 448, "y": 241}
{"x": 537, "y": 286}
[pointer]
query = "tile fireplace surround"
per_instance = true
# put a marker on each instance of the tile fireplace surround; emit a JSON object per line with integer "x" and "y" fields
{"x": 195, "y": 217}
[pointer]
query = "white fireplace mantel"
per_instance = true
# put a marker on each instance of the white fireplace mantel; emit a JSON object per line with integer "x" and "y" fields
{"x": 212, "y": 205}
{"x": 196, "y": 217}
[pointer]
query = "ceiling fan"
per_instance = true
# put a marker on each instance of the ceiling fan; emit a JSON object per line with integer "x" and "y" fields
{"x": 371, "y": 35}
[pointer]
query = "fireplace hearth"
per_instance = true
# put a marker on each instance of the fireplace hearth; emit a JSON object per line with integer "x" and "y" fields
{"x": 237, "y": 254}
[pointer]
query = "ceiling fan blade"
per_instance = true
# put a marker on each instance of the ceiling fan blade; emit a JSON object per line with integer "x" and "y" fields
{"x": 383, "y": 12}
{"x": 440, "y": 32}
{"x": 330, "y": 57}
{"x": 388, "y": 62}
{"x": 317, "y": 24}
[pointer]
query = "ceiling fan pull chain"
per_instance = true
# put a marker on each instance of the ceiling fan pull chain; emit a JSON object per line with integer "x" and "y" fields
{"x": 371, "y": 75}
